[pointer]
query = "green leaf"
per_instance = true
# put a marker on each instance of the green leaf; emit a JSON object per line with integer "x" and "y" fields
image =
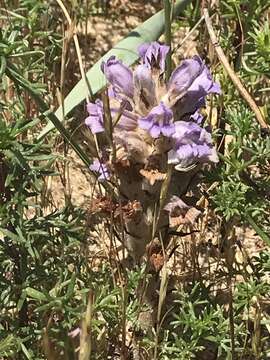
{"x": 70, "y": 289}
{"x": 126, "y": 50}
{"x": 12, "y": 73}
{"x": 258, "y": 230}
{"x": 26, "y": 352}
{"x": 21, "y": 300}
{"x": 35, "y": 294}
{"x": 10, "y": 235}
{"x": 8, "y": 346}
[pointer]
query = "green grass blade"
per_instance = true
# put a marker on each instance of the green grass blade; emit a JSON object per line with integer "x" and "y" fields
{"x": 14, "y": 75}
{"x": 258, "y": 230}
{"x": 126, "y": 50}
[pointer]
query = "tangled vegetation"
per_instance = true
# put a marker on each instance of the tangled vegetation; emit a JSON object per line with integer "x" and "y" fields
{"x": 162, "y": 251}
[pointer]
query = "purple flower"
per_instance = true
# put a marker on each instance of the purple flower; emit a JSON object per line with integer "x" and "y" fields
{"x": 189, "y": 84}
{"x": 197, "y": 92}
{"x": 192, "y": 144}
{"x": 127, "y": 121}
{"x": 119, "y": 75}
{"x": 145, "y": 88}
{"x": 101, "y": 169}
{"x": 183, "y": 76}
{"x": 154, "y": 55}
{"x": 158, "y": 121}
{"x": 197, "y": 117}
{"x": 95, "y": 118}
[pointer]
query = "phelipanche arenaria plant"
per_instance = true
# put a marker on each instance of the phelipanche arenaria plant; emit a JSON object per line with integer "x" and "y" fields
{"x": 154, "y": 125}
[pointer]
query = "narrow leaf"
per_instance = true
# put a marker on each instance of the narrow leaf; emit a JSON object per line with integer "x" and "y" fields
{"x": 258, "y": 230}
{"x": 35, "y": 294}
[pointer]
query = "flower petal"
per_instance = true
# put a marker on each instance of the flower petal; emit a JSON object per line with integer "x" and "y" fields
{"x": 182, "y": 78}
{"x": 158, "y": 121}
{"x": 119, "y": 75}
{"x": 188, "y": 87}
{"x": 101, "y": 169}
{"x": 145, "y": 124}
{"x": 145, "y": 88}
{"x": 196, "y": 93}
{"x": 155, "y": 131}
{"x": 192, "y": 144}
{"x": 95, "y": 118}
{"x": 154, "y": 55}
{"x": 168, "y": 130}
{"x": 204, "y": 84}
{"x": 197, "y": 117}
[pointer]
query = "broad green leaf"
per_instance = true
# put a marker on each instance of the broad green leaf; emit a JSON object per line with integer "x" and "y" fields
{"x": 126, "y": 50}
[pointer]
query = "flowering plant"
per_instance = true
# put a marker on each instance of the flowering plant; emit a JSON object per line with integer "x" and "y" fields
{"x": 156, "y": 138}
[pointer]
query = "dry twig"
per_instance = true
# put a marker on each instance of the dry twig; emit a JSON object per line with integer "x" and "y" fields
{"x": 77, "y": 47}
{"x": 235, "y": 79}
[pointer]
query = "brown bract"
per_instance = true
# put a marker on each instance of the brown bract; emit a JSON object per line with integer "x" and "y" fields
{"x": 155, "y": 255}
{"x": 153, "y": 175}
{"x": 129, "y": 211}
{"x": 102, "y": 204}
{"x": 184, "y": 216}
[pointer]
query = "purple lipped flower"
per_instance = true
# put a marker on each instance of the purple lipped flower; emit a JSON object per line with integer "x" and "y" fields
{"x": 189, "y": 84}
{"x": 95, "y": 118}
{"x": 154, "y": 55}
{"x": 101, "y": 169}
{"x": 183, "y": 76}
{"x": 124, "y": 101}
{"x": 197, "y": 92}
{"x": 145, "y": 88}
{"x": 192, "y": 144}
{"x": 119, "y": 75}
{"x": 158, "y": 121}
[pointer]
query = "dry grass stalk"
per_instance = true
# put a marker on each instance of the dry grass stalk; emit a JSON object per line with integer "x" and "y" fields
{"x": 86, "y": 329}
{"x": 235, "y": 79}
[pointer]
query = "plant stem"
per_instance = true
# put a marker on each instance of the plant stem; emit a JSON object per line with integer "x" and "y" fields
{"x": 78, "y": 50}
{"x": 231, "y": 316}
{"x": 235, "y": 79}
{"x": 168, "y": 35}
{"x": 86, "y": 330}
